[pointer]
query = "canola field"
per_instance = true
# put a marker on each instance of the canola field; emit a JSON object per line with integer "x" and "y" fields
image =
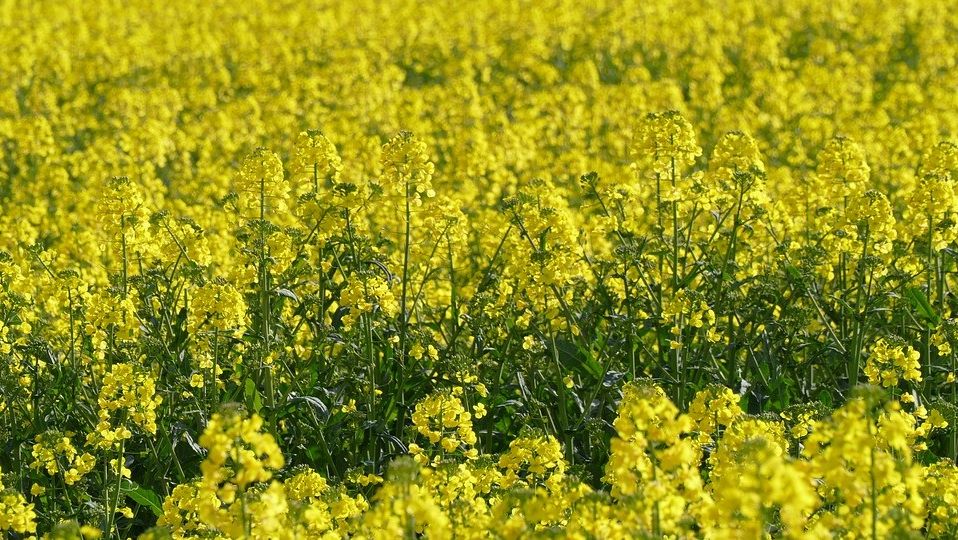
{"x": 505, "y": 269}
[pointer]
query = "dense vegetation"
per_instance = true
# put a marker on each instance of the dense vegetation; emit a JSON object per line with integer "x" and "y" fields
{"x": 500, "y": 269}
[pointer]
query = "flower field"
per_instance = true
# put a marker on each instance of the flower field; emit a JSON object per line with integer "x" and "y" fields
{"x": 503, "y": 269}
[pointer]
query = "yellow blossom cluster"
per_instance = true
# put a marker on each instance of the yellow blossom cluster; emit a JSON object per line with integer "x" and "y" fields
{"x": 54, "y": 452}
{"x": 888, "y": 363}
{"x": 127, "y": 399}
{"x": 16, "y": 514}
{"x": 444, "y": 421}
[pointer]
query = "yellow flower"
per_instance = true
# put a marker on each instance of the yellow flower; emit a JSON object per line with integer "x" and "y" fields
{"x": 261, "y": 185}
{"x": 888, "y": 363}
{"x": 665, "y": 142}
{"x": 407, "y": 170}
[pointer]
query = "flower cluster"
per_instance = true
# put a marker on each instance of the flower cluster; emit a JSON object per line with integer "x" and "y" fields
{"x": 443, "y": 420}
{"x": 666, "y": 142}
{"x": 653, "y": 461}
{"x": 712, "y": 409}
{"x": 54, "y": 453}
{"x": 889, "y": 363}
{"x": 127, "y": 399}
{"x": 16, "y": 514}
{"x": 261, "y": 185}
{"x": 407, "y": 170}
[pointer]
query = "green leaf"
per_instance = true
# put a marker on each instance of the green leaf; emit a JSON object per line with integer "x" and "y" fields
{"x": 825, "y": 398}
{"x": 288, "y": 294}
{"x": 575, "y": 359}
{"x": 143, "y": 496}
{"x": 253, "y": 400}
{"x": 920, "y": 302}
